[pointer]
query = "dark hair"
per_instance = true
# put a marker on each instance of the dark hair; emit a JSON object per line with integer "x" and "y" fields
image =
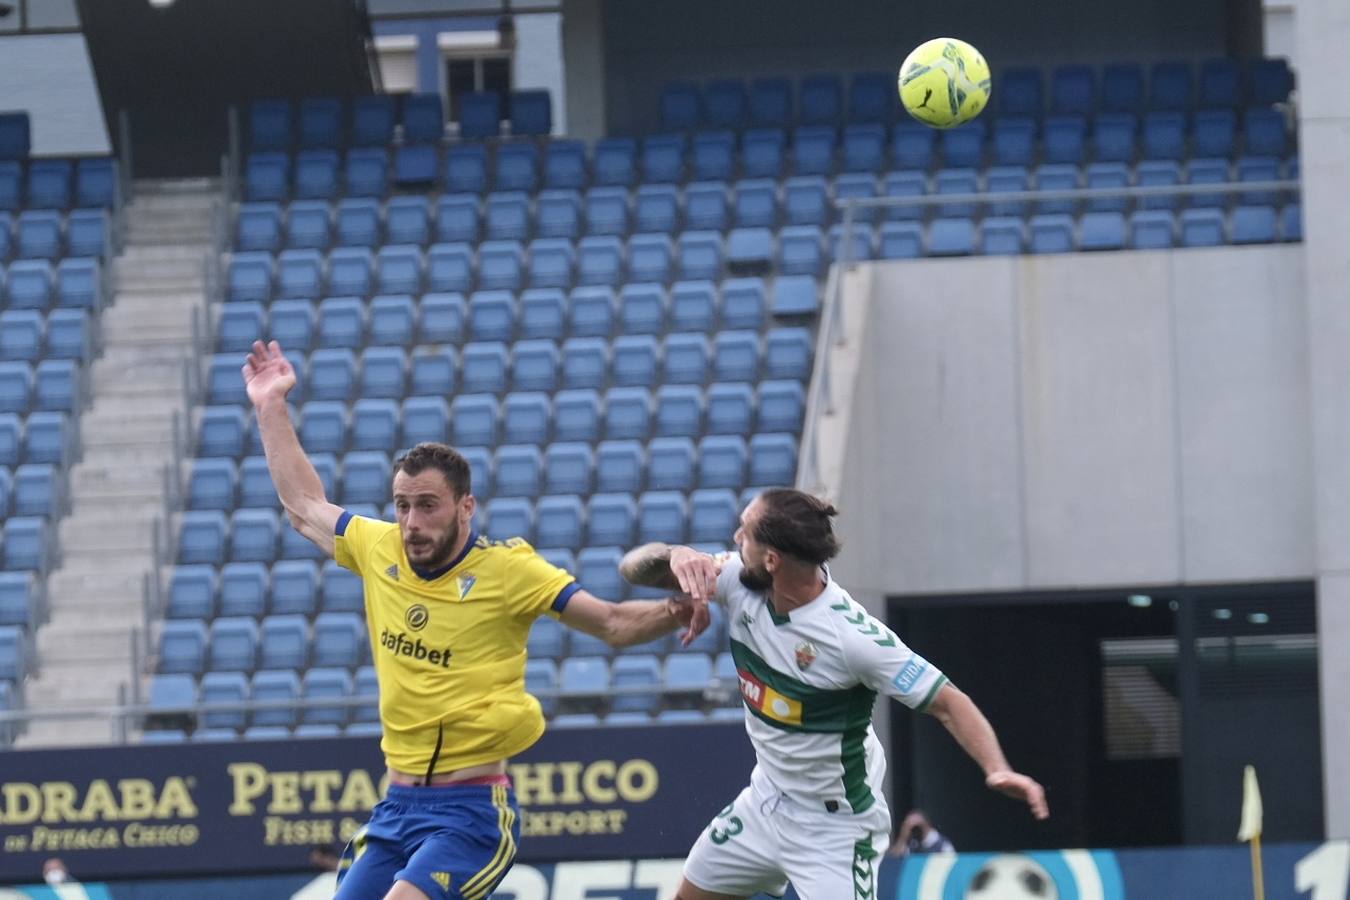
{"x": 449, "y": 461}
{"x": 797, "y": 524}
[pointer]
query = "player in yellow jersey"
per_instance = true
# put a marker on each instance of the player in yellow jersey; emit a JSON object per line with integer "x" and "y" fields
{"x": 449, "y": 614}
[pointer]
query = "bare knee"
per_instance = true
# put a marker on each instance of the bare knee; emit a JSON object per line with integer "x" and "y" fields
{"x": 405, "y": 890}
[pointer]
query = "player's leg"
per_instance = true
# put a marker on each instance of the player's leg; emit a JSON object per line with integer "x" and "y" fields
{"x": 469, "y": 845}
{"x": 368, "y": 865}
{"x": 831, "y": 860}
{"x": 737, "y": 855}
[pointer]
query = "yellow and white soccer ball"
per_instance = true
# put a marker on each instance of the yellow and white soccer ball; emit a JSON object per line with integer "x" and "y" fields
{"x": 944, "y": 82}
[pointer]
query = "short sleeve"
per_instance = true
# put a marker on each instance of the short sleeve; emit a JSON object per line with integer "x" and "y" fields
{"x": 881, "y": 661}
{"x": 537, "y": 586}
{"x": 355, "y": 537}
{"x": 729, "y": 575}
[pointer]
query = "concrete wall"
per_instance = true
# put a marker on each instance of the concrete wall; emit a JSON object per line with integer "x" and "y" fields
{"x": 1080, "y": 420}
{"x": 51, "y": 77}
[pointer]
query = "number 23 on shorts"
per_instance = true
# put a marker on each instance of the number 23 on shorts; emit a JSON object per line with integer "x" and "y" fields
{"x": 722, "y": 831}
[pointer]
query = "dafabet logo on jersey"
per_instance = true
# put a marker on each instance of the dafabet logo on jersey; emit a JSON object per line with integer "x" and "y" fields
{"x": 768, "y": 702}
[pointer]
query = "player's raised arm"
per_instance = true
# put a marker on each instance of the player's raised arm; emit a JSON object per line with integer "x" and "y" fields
{"x": 634, "y": 621}
{"x": 672, "y": 568}
{"x": 959, "y": 715}
{"x": 269, "y": 377}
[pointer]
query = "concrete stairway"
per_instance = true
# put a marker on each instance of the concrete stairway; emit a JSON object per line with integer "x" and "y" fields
{"x": 117, "y": 489}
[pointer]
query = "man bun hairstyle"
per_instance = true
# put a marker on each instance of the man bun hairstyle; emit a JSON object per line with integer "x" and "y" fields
{"x": 797, "y": 524}
{"x": 447, "y": 460}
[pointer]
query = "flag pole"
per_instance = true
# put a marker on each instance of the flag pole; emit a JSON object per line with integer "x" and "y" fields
{"x": 1258, "y": 879}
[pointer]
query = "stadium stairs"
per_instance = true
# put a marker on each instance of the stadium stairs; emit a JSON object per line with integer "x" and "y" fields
{"x": 117, "y": 490}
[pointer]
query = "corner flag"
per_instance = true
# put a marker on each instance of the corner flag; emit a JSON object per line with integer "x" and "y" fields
{"x": 1251, "y": 806}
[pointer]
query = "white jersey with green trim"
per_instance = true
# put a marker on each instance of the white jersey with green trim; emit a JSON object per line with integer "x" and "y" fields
{"x": 809, "y": 682}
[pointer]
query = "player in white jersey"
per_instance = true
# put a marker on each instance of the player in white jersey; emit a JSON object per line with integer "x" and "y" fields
{"x": 811, "y": 662}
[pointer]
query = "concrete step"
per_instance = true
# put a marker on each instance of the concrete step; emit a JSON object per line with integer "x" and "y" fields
{"x": 114, "y": 562}
{"x": 137, "y": 254}
{"x": 120, "y": 437}
{"x": 203, "y": 184}
{"x": 151, "y": 455}
{"x": 183, "y": 233}
{"x": 108, "y": 534}
{"x": 64, "y": 643}
{"x": 85, "y": 733}
{"x": 107, "y": 371}
{"x": 114, "y": 479}
{"x": 78, "y": 588}
{"x": 158, "y": 303}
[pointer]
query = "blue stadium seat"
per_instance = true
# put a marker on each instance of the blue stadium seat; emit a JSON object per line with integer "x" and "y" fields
{"x": 86, "y": 232}
{"x": 1051, "y": 233}
{"x": 222, "y": 431}
{"x": 342, "y": 590}
{"x": 670, "y": 464}
{"x": 393, "y": 320}
{"x": 1056, "y": 177}
{"x": 450, "y": 268}
{"x": 492, "y": 315}
{"x": 259, "y": 226}
{"x": 466, "y": 169}
{"x": 600, "y": 261}
{"x": 627, "y": 413}
{"x": 365, "y": 477}
{"x": 912, "y": 146}
{"x": 58, "y": 385}
{"x": 750, "y": 250}
{"x": 693, "y": 306}
{"x": 510, "y": 517}
{"x": 428, "y": 419}
{"x": 636, "y": 684}
{"x": 756, "y": 203}
{"x": 724, "y": 104}
{"x": 787, "y": 354}
{"x": 342, "y": 323}
{"x": 50, "y": 437}
{"x": 714, "y": 516}
{"x": 773, "y": 460}
{"x": 232, "y": 645}
{"x": 283, "y": 642}
{"x": 763, "y": 151}
{"x": 223, "y": 687}
{"x": 534, "y": 365}
{"x": 1208, "y": 171}
{"x": 408, "y": 220}
{"x": 615, "y": 161}
{"x": 598, "y": 567}
{"x": 1258, "y": 168}
{"x": 253, "y": 535}
{"x": 325, "y": 684}
{"x": 543, "y": 312}
{"x": 1164, "y": 135}
{"x": 1253, "y": 224}
{"x": 1020, "y": 93}
{"x": 293, "y": 324}
{"x": 559, "y": 522}
{"x": 684, "y": 361}
{"x": 320, "y": 123}
{"x": 374, "y": 424}
{"x": 558, "y": 214}
{"x": 49, "y": 184}
{"x": 806, "y": 202}
{"x": 585, "y": 362}
{"x": 1101, "y": 231}
{"x": 688, "y": 674}
{"x": 1170, "y": 86}
{"x": 339, "y": 640}
{"x": 507, "y": 215}
{"x": 269, "y": 124}
{"x": 267, "y": 176}
{"x": 171, "y": 700}
{"x": 295, "y": 588}
{"x": 316, "y": 175}
{"x": 255, "y": 484}
{"x": 721, "y": 461}
{"x": 547, "y": 640}
{"x": 781, "y": 406}
{"x": 713, "y": 156}
{"x": 486, "y": 367}
{"x": 1202, "y": 227}
{"x": 657, "y": 208}
{"x": 813, "y": 149}
{"x": 1269, "y": 81}
{"x": 96, "y": 183}
{"x": 568, "y": 467}
{"x": 423, "y": 118}
{"x": 1003, "y": 180}
{"x": 871, "y": 97}
{"x": 863, "y": 148}
{"x": 307, "y": 225}
{"x": 565, "y": 165}
{"x": 433, "y": 371}
{"x": 905, "y": 184}
{"x": 11, "y": 189}
{"x": 576, "y": 416}
{"x": 1002, "y": 236}
{"x": 531, "y": 113}
{"x": 278, "y": 686}
{"x": 1063, "y": 139}
{"x": 860, "y": 245}
{"x": 634, "y": 360}
{"x": 480, "y": 115}
{"x": 1113, "y": 135}
{"x": 457, "y": 218}
{"x": 679, "y": 410}
{"x": 501, "y": 265}
{"x": 963, "y": 146}
{"x": 742, "y": 303}
{"x": 79, "y": 284}
{"x": 517, "y": 167}
{"x": 1014, "y": 141}
{"x": 662, "y": 158}
{"x": 366, "y": 172}
{"x": 211, "y": 485}
{"x": 38, "y": 490}
{"x": 956, "y": 181}
{"x": 730, "y": 408}
{"x": 794, "y": 295}
{"x": 300, "y": 275}
{"x": 700, "y": 256}
{"x": 820, "y": 97}
{"x": 21, "y": 334}
{"x": 770, "y": 102}
{"x": 38, "y": 234}
{"x": 649, "y": 258}
{"x": 1122, "y": 88}
{"x": 13, "y": 655}
{"x": 1291, "y": 222}
{"x": 473, "y": 420}
{"x": 679, "y": 106}
{"x": 518, "y": 470}
{"x": 1073, "y": 90}
{"x": 857, "y": 186}
{"x": 1156, "y": 173}
{"x": 366, "y": 685}
{"x": 11, "y": 443}
{"x": 332, "y": 374}
{"x": 1215, "y": 133}
{"x": 610, "y": 522}
{"x": 399, "y": 269}
{"x": 606, "y": 211}
{"x": 1151, "y": 229}
{"x": 182, "y": 647}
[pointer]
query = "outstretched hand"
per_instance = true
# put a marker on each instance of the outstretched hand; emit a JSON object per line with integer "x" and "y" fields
{"x": 267, "y": 373}
{"x": 692, "y": 614}
{"x": 1021, "y": 787}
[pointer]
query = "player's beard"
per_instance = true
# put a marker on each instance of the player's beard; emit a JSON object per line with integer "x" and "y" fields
{"x": 441, "y": 549}
{"x": 757, "y": 580}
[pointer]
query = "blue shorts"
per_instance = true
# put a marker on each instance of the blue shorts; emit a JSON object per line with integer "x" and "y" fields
{"x": 453, "y": 843}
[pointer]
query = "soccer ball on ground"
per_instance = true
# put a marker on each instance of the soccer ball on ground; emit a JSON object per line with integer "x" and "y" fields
{"x": 944, "y": 82}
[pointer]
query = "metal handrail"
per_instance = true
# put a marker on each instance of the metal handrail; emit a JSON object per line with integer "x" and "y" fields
{"x": 820, "y": 396}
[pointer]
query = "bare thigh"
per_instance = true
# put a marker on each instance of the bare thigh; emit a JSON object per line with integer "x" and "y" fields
{"x": 403, "y": 890}
{"x": 688, "y": 891}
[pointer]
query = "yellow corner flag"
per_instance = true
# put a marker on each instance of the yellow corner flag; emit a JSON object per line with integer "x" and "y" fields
{"x": 1250, "y": 828}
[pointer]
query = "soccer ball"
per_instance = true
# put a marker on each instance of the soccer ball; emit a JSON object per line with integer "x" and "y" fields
{"x": 1011, "y": 876}
{"x": 944, "y": 82}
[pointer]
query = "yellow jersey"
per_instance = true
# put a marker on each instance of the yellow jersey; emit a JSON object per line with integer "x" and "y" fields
{"x": 449, "y": 645}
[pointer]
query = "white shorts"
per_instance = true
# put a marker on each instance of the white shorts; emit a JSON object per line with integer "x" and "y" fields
{"x": 762, "y": 841}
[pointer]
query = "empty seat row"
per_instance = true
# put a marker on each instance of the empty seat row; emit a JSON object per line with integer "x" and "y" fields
{"x": 292, "y": 587}
{"x": 33, "y": 489}
{"x": 23, "y": 601}
{"x": 39, "y": 437}
{"x": 58, "y": 184}
{"x": 159, "y": 735}
{"x": 637, "y": 685}
{"x": 55, "y": 385}
{"x": 820, "y": 99}
{"x": 219, "y": 700}
{"x": 491, "y": 367}
{"x": 325, "y": 123}
{"x": 27, "y": 335}
{"x": 44, "y": 234}
{"x": 241, "y": 644}
{"x": 34, "y": 284}
{"x": 27, "y": 543}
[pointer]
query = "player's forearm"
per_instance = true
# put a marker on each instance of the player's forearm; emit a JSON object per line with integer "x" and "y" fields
{"x": 297, "y": 482}
{"x": 649, "y": 566}
{"x": 639, "y": 622}
{"x": 959, "y": 715}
